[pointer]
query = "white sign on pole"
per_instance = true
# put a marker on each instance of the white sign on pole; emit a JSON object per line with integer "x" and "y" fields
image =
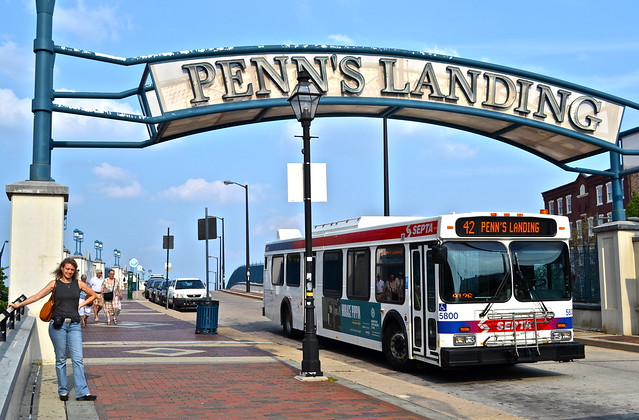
{"x": 295, "y": 173}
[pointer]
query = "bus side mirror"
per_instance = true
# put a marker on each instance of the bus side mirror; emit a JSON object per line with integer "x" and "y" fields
{"x": 440, "y": 254}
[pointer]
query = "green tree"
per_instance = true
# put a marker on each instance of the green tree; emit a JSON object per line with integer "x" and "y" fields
{"x": 632, "y": 209}
{"x": 4, "y": 291}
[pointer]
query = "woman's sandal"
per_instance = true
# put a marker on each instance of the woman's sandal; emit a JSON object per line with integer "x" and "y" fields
{"x": 115, "y": 321}
{"x": 64, "y": 397}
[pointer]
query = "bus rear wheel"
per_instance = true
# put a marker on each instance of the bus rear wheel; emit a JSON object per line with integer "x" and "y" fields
{"x": 287, "y": 324}
{"x": 395, "y": 348}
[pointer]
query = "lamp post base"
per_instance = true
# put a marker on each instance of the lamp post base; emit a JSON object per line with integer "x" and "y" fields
{"x": 311, "y": 366}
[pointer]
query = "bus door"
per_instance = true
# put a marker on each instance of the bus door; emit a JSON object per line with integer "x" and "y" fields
{"x": 424, "y": 305}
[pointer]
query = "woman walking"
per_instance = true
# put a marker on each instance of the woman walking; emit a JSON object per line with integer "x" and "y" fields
{"x": 65, "y": 329}
{"x": 112, "y": 296}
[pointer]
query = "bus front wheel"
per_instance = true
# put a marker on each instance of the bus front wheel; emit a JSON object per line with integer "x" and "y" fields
{"x": 395, "y": 348}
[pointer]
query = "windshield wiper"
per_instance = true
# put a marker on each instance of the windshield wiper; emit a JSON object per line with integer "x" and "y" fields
{"x": 528, "y": 284}
{"x": 498, "y": 291}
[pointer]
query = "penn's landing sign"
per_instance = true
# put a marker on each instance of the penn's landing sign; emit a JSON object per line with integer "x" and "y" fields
{"x": 550, "y": 118}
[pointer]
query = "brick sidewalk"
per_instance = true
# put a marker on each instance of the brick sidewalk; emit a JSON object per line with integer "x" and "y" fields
{"x": 152, "y": 365}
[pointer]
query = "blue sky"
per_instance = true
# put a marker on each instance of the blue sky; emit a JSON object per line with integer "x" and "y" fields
{"x": 128, "y": 198}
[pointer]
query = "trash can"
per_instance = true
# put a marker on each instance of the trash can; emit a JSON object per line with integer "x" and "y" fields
{"x": 206, "y": 321}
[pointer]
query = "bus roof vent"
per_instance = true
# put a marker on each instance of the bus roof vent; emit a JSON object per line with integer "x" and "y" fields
{"x": 288, "y": 234}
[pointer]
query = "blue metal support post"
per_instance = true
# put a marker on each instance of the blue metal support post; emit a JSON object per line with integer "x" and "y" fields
{"x": 42, "y": 105}
{"x": 618, "y": 212}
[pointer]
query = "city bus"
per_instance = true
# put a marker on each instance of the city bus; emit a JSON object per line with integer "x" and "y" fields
{"x": 455, "y": 290}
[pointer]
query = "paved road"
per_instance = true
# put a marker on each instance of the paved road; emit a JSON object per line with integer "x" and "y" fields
{"x": 604, "y": 385}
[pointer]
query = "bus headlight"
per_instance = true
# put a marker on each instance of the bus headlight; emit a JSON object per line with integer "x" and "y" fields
{"x": 561, "y": 335}
{"x": 464, "y": 340}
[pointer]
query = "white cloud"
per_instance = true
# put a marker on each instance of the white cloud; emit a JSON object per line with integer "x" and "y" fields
{"x": 116, "y": 182}
{"x": 14, "y": 112}
{"x": 341, "y": 39}
{"x": 130, "y": 190}
{"x": 196, "y": 189}
{"x": 97, "y": 23}
{"x": 272, "y": 224}
{"x": 457, "y": 150}
{"x": 106, "y": 171}
{"x": 17, "y": 63}
{"x": 77, "y": 127}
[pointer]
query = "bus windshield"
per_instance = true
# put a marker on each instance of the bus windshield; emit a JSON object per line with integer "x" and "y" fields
{"x": 474, "y": 272}
{"x": 541, "y": 271}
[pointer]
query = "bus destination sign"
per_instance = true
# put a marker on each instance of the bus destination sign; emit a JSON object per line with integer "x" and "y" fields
{"x": 505, "y": 226}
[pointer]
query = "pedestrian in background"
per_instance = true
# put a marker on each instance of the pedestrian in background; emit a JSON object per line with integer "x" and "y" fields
{"x": 96, "y": 285}
{"x": 113, "y": 306}
{"x": 65, "y": 330}
{"x": 87, "y": 310}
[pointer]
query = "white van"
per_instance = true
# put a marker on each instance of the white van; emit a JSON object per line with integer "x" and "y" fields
{"x": 186, "y": 292}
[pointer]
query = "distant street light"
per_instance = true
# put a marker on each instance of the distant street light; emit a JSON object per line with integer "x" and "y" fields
{"x": 116, "y": 255}
{"x": 304, "y": 101}
{"x": 248, "y": 258}
{"x": 98, "y": 245}
{"x": 78, "y": 237}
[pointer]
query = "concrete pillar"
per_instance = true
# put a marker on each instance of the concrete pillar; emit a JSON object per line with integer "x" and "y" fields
{"x": 37, "y": 230}
{"x": 618, "y": 276}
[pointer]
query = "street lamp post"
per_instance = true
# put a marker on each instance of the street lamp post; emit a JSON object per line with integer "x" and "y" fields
{"x": 78, "y": 237}
{"x": 98, "y": 245}
{"x": 116, "y": 257}
{"x": 248, "y": 258}
{"x": 304, "y": 101}
{"x": 2, "y": 251}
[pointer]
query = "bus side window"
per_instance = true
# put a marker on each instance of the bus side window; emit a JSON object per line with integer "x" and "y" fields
{"x": 358, "y": 282}
{"x": 332, "y": 273}
{"x": 431, "y": 296}
{"x": 293, "y": 265}
{"x": 277, "y": 270}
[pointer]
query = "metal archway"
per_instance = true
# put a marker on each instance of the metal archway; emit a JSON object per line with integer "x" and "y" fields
{"x": 184, "y": 93}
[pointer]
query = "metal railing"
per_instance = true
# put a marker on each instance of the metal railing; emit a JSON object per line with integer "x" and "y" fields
{"x": 8, "y": 318}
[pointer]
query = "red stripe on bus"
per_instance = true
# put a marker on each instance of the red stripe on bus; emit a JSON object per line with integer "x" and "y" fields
{"x": 395, "y": 232}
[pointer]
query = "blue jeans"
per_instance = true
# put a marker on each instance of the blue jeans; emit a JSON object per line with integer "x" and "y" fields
{"x": 69, "y": 335}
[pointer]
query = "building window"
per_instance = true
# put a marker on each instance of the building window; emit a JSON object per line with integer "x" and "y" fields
{"x": 568, "y": 204}
{"x": 609, "y": 192}
{"x": 582, "y": 190}
{"x": 600, "y": 219}
{"x": 590, "y": 226}
{"x": 578, "y": 230}
{"x": 551, "y": 207}
{"x": 599, "y": 195}
{"x": 560, "y": 206}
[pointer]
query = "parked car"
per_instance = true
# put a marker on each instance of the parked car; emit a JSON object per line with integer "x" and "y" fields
{"x": 150, "y": 288}
{"x": 148, "y": 285}
{"x": 156, "y": 295}
{"x": 186, "y": 292}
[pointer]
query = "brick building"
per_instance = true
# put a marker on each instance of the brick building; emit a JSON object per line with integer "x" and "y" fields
{"x": 587, "y": 201}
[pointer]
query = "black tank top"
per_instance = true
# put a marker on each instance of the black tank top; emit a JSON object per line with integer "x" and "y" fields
{"x": 67, "y": 298}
